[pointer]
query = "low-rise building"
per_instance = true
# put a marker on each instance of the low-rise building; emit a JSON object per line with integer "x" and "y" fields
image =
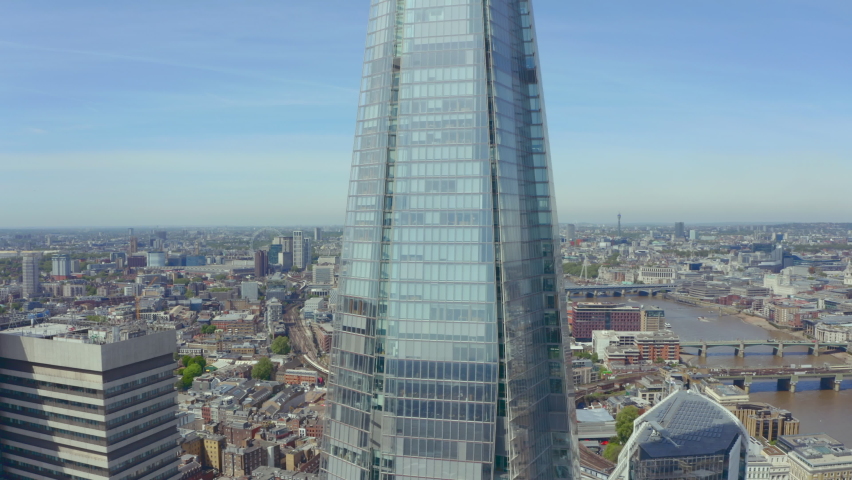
{"x": 621, "y": 357}
{"x": 656, "y": 275}
{"x": 243, "y": 349}
{"x": 631, "y": 348}
{"x": 586, "y": 317}
{"x": 241, "y": 461}
{"x": 727, "y": 395}
{"x": 651, "y": 388}
{"x": 762, "y": 420}
{"x": 237, "y": 324}
{"x": 660, "y": 345}
{"x": 71, "y": 290}
{"x": 214, "y": 447}
{"x": 816, "y": 457}
{"x": 652, "y": 319}
{"x": 323, "y": 333}
{"x": 298, "y": 376}
{"x": 826, "y": 332}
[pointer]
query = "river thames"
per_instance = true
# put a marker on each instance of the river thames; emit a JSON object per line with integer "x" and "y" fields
{"x": 817, "y": 410}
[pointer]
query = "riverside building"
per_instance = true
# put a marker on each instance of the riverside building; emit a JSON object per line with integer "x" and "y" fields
{"x": 80, "y": 405}
{"x": 448, "y": 360}
{"x": 686, "y": 435}
{"x": 816, "y": 457}
{"x": 587, "y": 317}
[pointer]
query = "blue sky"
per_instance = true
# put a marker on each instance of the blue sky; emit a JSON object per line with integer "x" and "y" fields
{"x": 242, "y": 113}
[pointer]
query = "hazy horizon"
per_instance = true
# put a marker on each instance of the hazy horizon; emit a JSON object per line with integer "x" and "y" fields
{"x": 243, "y": 114}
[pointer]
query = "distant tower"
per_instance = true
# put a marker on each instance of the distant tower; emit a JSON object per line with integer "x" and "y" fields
{"x": 129, "y": 232}
{"x": 301, "y": 250}
{"x": 261, "y": 264}
{"x": 619, "y": 224}
{"x": 30, "y": 277}
{"x": 680, "y": 231}
{"x": 61, "y": 264}
{"x": 317, "y": 234}
{"x": 847, "y": 275}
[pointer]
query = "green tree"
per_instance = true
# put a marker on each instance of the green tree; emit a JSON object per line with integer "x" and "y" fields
{"x": 262, "y": 370}
{"x": 281, "y": 346}
{"x": 193, "y": 369}
{"x": 91, "y": 290}
{"x": 576, "y": 269}
{"x": 189, "y": 374}
{"x": 208, "y": 329}
{"x": 199, "y": 360}
{"x": 611, "y": 451}
{"x": 184, "y": 360}
{"x": 624, "y": 423}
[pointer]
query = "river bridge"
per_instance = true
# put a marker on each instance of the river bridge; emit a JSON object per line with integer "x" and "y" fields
{"x": 618, "y": 290}
{"x": 829, "y": 378}
{"x": 777, "y": 345}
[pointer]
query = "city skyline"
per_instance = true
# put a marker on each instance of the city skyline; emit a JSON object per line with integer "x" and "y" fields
{"x": 679, "y": 113}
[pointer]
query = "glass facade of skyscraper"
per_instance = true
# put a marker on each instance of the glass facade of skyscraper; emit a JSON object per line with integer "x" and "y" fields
{"x": 448, "y": 360}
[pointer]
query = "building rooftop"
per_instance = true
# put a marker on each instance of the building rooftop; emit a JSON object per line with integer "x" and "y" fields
{"x": 817, "y": 450}
{"x": 594, "y": 415}
{"x": 657, "y": 335}
{"x": 41, "y": 330}
{"x": 604, "y": 306}
{"x": 721, "y": 390}
{"x": 687, "y": 424}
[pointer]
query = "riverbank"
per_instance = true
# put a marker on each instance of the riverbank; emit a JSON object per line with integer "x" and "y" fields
{"x": 764, "y": 324}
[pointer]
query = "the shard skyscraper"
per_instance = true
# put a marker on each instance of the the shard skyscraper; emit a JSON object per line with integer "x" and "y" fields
{"x": 448, "y": 360}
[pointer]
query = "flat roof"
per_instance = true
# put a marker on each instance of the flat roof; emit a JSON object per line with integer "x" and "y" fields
{"x": 41, "y": 330}
{"x": 726, "y": 390}
{"x": 594, "y": 415}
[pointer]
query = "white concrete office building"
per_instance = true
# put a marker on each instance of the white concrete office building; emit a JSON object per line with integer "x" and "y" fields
{"x": 76, "y": 405}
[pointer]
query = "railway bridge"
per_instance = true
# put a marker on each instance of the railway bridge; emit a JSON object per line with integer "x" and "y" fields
{"x": 777, "y": 345}
{"x": 618, "y": 290}
{"x": 787, "y": 379}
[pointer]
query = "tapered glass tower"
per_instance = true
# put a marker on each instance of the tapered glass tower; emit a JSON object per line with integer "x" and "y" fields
{"x": 448, "y": 360}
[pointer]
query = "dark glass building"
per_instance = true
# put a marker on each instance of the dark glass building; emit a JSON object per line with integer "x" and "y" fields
{"x": 448, "y": 360}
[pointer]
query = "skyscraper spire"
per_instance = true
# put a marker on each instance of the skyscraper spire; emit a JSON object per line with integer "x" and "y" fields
{"x": 448, "y": 361}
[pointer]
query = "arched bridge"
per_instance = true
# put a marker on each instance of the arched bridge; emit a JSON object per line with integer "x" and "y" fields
{"x": 739, "y": 346}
